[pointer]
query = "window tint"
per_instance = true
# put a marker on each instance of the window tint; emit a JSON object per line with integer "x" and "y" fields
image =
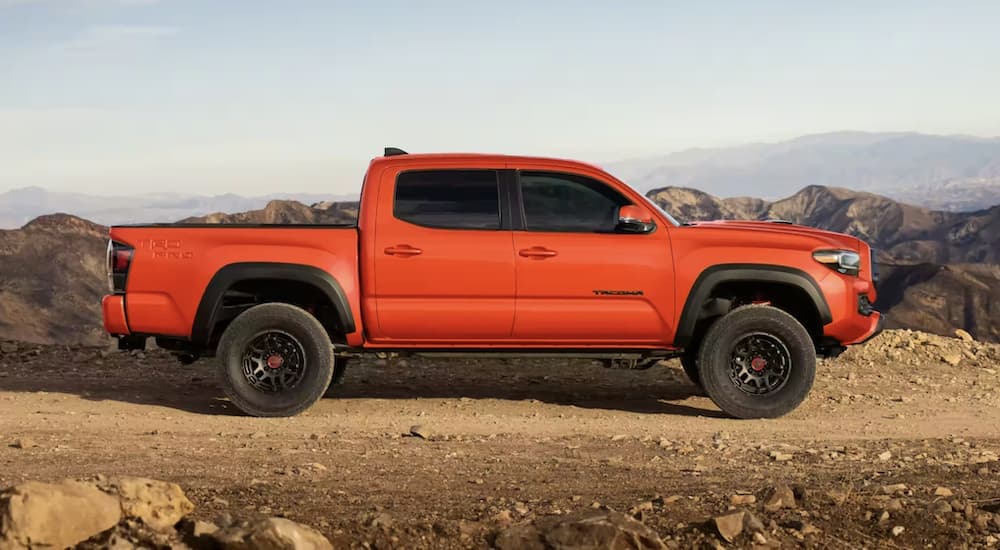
{"x": 565, "y": 202}
{"x": 449, "y": 199}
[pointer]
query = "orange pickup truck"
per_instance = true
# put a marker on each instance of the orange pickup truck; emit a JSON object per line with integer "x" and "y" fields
{"x": 461, "y": 254}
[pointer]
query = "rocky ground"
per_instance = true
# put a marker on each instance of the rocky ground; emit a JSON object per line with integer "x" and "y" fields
{"x": 897, "y": 446}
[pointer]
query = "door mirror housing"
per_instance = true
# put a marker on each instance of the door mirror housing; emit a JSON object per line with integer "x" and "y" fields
{"x": 634, "y": 219}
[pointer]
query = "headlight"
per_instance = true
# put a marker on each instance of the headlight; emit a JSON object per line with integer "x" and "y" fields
{"x": 843, "y": 261}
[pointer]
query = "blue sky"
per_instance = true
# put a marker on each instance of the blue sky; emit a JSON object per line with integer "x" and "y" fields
{"x": 254, "y": 96}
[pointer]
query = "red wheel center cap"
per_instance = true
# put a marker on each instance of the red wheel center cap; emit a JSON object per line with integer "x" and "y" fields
{"x": 758, "y": 364}
{"x": 275, "y": 361}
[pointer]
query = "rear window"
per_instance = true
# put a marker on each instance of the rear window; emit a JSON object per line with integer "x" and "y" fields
{"x": 449, "y": 199}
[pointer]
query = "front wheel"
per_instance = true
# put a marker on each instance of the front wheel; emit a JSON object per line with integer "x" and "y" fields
{"x": 275, "y": 360}
{"x": 757, "y": 362}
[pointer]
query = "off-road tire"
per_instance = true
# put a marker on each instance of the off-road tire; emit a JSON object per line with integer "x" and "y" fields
{"x": 715, "y": 361}
{"x": 689, "y": 361}
{"x": 315, "y": 349}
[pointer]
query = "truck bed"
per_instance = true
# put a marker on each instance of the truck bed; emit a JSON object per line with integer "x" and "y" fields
{"x": 173, "y": 265}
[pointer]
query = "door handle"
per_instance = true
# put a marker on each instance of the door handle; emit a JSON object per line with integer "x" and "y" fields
{"x": 404, "y": 250}
{"x": 537, "y": 252}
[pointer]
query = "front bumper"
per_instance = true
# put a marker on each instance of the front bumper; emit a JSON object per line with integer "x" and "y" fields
{"x": 876, "y": 324}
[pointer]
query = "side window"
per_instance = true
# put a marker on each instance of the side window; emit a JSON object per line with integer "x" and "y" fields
{"x": 567, "y": 202}
{"x": 449, "y": 199}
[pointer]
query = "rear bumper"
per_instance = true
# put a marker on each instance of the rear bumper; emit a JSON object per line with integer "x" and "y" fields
{"x": 115, "y": 322}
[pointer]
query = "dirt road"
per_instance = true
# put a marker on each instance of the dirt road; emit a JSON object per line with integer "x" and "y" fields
{"x": 505, "y": 442}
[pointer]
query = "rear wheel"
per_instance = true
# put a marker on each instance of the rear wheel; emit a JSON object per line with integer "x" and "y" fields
{"x": 275, "y": 360}
{"x": 757, "y": 362}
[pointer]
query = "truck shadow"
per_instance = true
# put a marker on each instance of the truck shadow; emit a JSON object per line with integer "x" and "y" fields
{"x": 194, "y": 389}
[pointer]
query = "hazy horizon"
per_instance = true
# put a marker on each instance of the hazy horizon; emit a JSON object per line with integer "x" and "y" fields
{"x": 117, "y": 97}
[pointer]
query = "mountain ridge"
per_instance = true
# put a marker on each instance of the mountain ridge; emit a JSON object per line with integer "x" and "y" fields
{"x": 943, "y": 172}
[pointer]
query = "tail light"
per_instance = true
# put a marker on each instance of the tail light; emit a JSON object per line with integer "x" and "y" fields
{"x": 119, "y": 260}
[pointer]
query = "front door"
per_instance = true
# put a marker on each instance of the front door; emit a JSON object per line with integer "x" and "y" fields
{"x": 443, "y": 259}
{"x": 579, "y": 282}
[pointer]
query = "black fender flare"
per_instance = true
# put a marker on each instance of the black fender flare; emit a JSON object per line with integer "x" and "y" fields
{"x": 229, "y": 275}
{"x": 725, "y": 273}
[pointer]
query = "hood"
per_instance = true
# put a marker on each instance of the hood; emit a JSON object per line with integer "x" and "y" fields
{"x": 778, "y": 227}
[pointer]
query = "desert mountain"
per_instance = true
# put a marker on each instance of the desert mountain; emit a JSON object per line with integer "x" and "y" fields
{"x": 901, "y": 232}
{"x": 940, "y": 269}
{"x": 19, "y": 206}
{"x": 940, "y": 172}
{"x": 287, "y": 212}
{"x": 52, "y": 277}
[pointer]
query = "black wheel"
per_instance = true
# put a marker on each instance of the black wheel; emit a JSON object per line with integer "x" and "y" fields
{"x": 757, "y": 362}
{"x": 275, "y": 360}
{"x": 690, "y": 363}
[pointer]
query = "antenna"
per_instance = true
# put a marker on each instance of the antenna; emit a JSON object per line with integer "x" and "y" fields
{"x": 394, "y": 151}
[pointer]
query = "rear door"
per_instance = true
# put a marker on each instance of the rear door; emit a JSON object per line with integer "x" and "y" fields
{"x": 579, "y": 282}
{"x": 443, "y": 258}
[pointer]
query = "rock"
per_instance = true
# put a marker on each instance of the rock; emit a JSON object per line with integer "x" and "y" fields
{"x": 898, "y": 530}
{"x": 941, "y": 507}
{"x": 159, "y": 504}
{"x": 885, "y": 456}
{"x": 952, "y": 359}
{"x": 964, "y": 336}
{"x": 837, "y": 496}
{"x": 57, "y": 515}
{"x": 8, "y": 347}
{"x": 809, "y": 529}
{"x": 581, "y": 532}
{"x": 420, "y": 431}
{"x": 779, "y": 456}
{"x": 504, "y": 517}
{"x": 271, "y": 534}
{"x": 780, "y": 497}
{"x": 894, "y": 489}
{"x": 24, "y": 443}
{"x": 942, "y": 492}
{"x": 520, "y": 537}
{"x": 729, "y": 526}
{"x": 741, "y": 500}
{"x": 751, "y": 523}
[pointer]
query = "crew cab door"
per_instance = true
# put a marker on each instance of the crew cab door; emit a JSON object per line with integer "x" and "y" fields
{"x": 443, "y": 258}
{"x": 579, "y": 282}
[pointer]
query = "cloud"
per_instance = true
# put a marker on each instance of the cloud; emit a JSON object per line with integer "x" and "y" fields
{"x": 103, "y": 36}
{"x": 79, "y": 3}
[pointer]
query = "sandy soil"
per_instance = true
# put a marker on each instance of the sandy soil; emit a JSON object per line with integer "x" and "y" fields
{"x": 512, "y": 441}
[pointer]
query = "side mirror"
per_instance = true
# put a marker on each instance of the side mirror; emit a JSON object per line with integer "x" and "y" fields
{"x": 634, "y": 219}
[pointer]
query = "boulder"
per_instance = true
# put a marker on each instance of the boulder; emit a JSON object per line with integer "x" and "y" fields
{"x": 159, "y": 504}
{"x": 729, "y": 526}
{"x": 780, "y": 497}
{"x": 270, "y": 534}
{"x": 56, "y": 515}
{"x": 594, "y": 530}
